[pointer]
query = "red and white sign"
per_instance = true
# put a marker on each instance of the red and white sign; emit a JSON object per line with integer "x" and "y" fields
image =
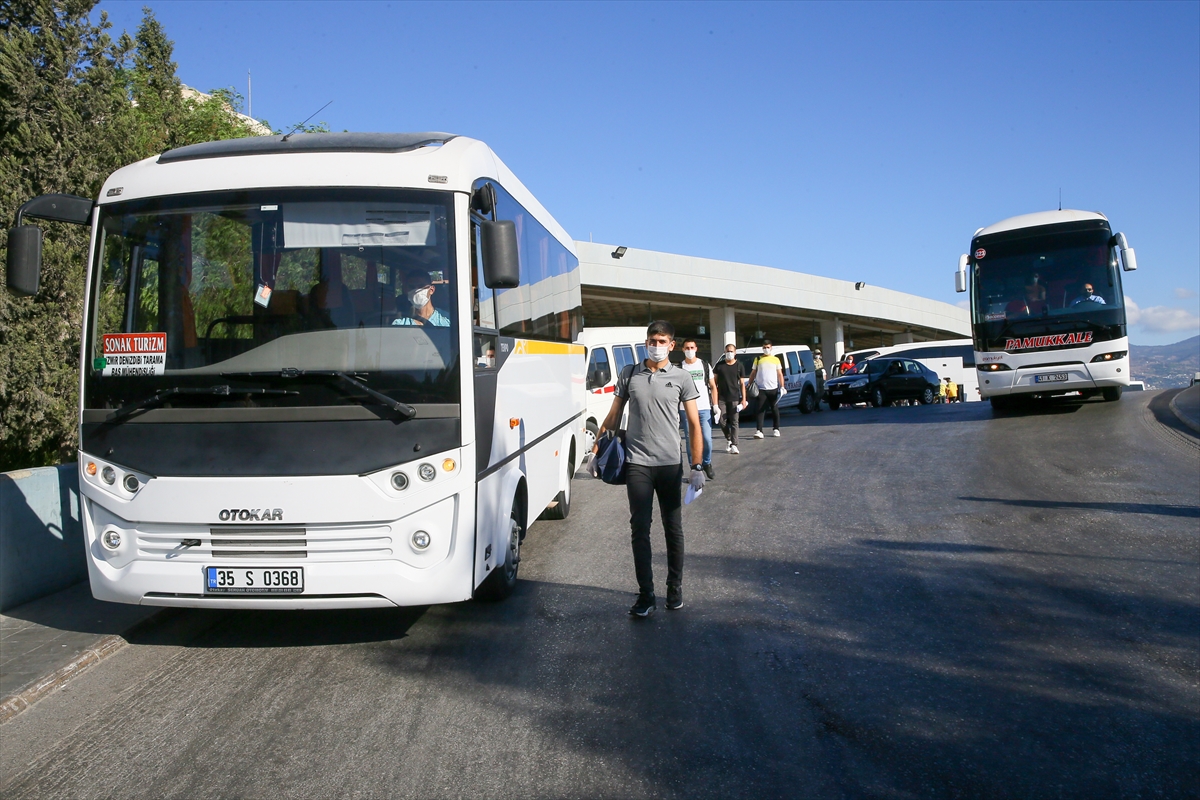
{"x": 135, "y": 353}
{"x": 1058, "y": 340}
{"x": 980, "y": 253}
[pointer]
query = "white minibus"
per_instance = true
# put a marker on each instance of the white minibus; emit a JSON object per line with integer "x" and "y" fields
{"x": 325, "y": 370}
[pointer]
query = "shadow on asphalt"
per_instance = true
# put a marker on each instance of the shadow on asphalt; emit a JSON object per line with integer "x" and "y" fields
{"x": 1160, "y": 407}
{"x": 921, "y": 672}
{"x": 1119, "y": 508}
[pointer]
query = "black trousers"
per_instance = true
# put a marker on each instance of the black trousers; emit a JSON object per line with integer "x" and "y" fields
{"x": 642, "y": 484}
{"x": 729, "y": 419}
{"x": 768, "y": 400}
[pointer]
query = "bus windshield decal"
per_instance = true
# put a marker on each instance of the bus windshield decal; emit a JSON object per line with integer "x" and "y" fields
{"x": 1058, "y": 340}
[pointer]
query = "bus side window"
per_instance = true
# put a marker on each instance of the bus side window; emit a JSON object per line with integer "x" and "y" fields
{"x": 967, "y": 351}
{"x": 599, "y": 373}
{"x": 485, "y": 351}
{"x": 482, "y": 307}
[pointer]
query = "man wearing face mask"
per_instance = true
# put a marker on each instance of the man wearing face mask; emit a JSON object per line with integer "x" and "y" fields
{"x": 768, "y": 376}
{"x": 730, "y": 377}
{"x": 418, "y": 291}
{"x": 705, "y": 403}
{"x": 654, "y": 390}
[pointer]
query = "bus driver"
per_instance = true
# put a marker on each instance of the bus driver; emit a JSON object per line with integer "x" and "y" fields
{"x": 418, "y": 291}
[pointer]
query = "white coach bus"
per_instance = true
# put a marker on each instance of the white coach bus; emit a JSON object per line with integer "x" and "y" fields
{"x": 319, "y": 371}
{"x": 1047, "y": 309}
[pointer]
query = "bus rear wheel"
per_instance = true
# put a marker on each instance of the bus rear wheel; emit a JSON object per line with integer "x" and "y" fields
{"x": 503, "y": 580}
{"x": 1111, "y": 393}
{"x": 560, "y": 508}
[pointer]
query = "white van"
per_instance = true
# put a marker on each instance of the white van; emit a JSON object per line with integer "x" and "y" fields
{"x": 799, "y": 374}
{"x": 609, "y": 350}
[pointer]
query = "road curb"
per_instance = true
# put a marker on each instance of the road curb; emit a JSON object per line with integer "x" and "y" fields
{"x": 1184, "y": 418}
{"x": 14, "y": 704}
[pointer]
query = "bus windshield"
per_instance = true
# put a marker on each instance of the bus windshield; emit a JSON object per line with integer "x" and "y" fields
{"x": 258, "y": 288}
{"x": 1057, "y": 283}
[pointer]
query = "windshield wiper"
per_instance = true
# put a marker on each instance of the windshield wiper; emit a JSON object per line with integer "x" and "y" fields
{"x": 405, "y": 411}
{"x": 165, "y": 394}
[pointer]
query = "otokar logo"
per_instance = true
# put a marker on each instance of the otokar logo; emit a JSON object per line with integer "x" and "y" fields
{"x": 250, "y": 514}
{"x": 1058, "y": 340}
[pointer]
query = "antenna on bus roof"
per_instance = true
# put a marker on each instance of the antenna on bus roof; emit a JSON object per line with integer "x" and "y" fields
{"x": 288, "y": 135}
{"x": 1060, "y": 198}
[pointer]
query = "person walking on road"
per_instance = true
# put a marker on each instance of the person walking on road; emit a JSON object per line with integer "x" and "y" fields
{"x": 730, "y": 377}
{"x": 951, "y": 391}
{"x": 819, "y": 374}
{"x": 653, "y": 391}
{"x": 767, "y": 375}
{"x": 706, "y": 403}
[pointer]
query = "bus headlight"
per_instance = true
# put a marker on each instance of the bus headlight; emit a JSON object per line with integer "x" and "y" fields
{"x": 994, "y": 367}
{"x": 420, "y": 540}
{"x": 131, "y": 483}
{"x": 1110, "y": 356}
{"x": 111, "y": 539}
{"x": 399, "y": 481}
{"x": 108, "y": 475}
{"x": 427, "y": 472}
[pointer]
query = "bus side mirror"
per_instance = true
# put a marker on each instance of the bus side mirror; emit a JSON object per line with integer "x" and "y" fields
{"x": 1128, "y": 258}
{"x": 960, "y": 277}
{"x": 24, "y": 267}
{"x": 501, "y": 260}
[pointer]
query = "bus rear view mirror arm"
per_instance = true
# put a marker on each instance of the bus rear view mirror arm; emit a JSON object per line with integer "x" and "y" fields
{"x": 501, "y": 260}
{"x": 24, "y": 259}
{"x": 960, "y": 277}
{"x": 1128, "y": 257}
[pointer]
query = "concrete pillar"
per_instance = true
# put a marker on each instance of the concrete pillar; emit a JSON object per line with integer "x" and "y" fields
{"x": 832, "y": 346}
{"x": 902, "y": 338}
{"x": 722, "y": 329}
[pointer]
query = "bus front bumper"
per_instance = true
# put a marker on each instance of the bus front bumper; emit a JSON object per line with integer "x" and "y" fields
{"x": 1057, "y": 379}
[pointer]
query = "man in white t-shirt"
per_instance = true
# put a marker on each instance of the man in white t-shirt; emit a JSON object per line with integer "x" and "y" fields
{"x": 706, "y": 385}
{"x": 767, "y": 375}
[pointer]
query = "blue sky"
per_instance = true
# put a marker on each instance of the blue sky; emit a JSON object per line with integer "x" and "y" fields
{"x": 856, "y": 140}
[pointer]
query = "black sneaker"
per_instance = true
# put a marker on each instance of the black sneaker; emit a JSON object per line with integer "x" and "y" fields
{"x": 644, "y": 607}
{"x": 674, "y": 598}
{"x": 708, "y": 472}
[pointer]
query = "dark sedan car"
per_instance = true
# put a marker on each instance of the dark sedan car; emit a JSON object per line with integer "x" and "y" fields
{"x": 882, "y": 380}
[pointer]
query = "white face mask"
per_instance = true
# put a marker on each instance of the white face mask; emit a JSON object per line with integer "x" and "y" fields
{"x": 766, "y": 351}
{"x": 689, "y": 354}
{"x": 658, "y": 352}
{"x": 419, "y": 298}
{"x": 730, "y": 356}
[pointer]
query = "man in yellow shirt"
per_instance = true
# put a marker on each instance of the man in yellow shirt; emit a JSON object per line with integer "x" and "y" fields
{"x": 767, "y": 375}
{"x": 951, "y": 391}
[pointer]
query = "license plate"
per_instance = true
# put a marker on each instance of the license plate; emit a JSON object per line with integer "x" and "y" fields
{"x": 837, "y": 391}
{"x": 254, "y": 580}
{"x": 1051, "y": 378}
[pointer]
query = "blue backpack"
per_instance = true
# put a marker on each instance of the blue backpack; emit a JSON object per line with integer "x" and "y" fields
{"x": 610, "y": 458}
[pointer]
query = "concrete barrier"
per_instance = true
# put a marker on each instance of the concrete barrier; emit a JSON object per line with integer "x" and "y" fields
{"x": 41, "y": 533}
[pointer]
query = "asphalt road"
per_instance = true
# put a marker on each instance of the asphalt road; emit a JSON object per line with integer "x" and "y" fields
{"x": 898, "y": 602}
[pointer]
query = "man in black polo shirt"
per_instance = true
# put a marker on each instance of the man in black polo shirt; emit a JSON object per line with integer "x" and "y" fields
{"x": 653, "y": 391}
{"x": 731, "y": 395}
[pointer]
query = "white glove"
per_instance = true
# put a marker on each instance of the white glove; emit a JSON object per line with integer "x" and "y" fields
{"x": 696, "y": 480}
{"x": 782, "y": 390}
{"x": 716, "y": 417}
{"x": 593, "y": 466}
{"x": 741, "y": 407}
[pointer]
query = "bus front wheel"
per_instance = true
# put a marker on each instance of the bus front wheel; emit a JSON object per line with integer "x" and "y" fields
{"x": 1111, "y": 393}
{"x": 560, "y": 507}
{"x": 503, "y": 580}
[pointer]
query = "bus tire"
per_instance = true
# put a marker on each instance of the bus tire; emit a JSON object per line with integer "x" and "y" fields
{"x": 591, "y": 432}
{"x": 561, "y": 507}
{"x": 808, "y": 401}
{"x": 927, "y": 397}
{"x": 878, "y": 398}
{"x": 503, "y": 580}
{"x": 1000, "y": 404}
{"x": 1111, "y": 393}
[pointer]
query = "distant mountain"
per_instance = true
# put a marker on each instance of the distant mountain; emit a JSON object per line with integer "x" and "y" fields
{"x": 1166, "y": 366}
